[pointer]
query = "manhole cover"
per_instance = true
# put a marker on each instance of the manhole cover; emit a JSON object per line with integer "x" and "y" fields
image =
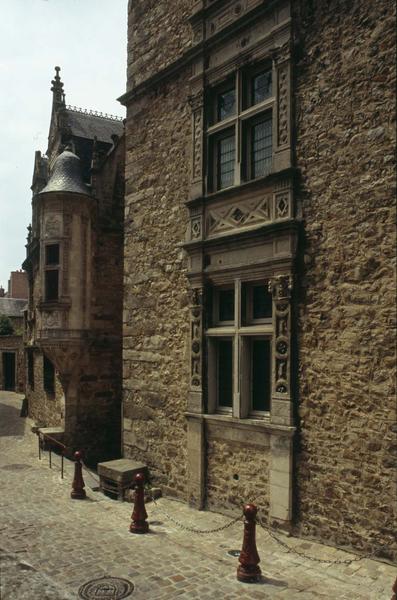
{"x": 16, "y": 467}
{"x": 106, "y": 588}
{"x": 233, "y": 552}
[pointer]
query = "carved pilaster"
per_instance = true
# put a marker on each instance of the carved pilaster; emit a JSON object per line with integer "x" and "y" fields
{"x": 281, "y": 289}
{"x": 196, "y": 102}
{"x": 195, "y": 400}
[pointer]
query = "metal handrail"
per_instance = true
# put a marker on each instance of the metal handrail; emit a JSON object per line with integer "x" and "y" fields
{"x": 44, "y": 436}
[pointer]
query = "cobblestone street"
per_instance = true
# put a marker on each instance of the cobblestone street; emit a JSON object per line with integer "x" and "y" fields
{"x": 51, "y": 545}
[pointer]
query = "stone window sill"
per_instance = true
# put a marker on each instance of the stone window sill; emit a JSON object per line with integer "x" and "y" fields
{"x": 263, "y": 424}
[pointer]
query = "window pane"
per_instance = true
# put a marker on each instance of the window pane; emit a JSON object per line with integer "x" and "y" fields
{"x": 261, "y": 302}
{"x": 225, "y": 373}
{"x": 261, "y": 151}
{"x": 226, "y": 104}
{"x": 52, "y": 254}
{"x": 48, "y": 375}
{"x": 51, "y": 285}
{"x": 226, "y": 305}
{"x": 260, "y": 357}
{"x": 261, "y": 87}
{"x": 225, "y": 162}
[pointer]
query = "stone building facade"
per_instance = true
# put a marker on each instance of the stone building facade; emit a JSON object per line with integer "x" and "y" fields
{"x": 258, "y": 242}
{"x": 74, "y": 265}
{"x": 12, "y": 357}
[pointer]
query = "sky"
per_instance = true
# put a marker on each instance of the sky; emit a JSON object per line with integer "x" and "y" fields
{"x": 88, "y": 40}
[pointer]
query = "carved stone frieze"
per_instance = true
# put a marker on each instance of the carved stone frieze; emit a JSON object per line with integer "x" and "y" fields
{"x": 242, "y": 214}
{"x": 51, "y": 319}
{"x": 53, "y": 226}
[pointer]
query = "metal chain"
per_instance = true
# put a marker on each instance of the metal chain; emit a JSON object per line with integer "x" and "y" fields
{"x": 313, "y": 558}
{"x": 191, "y": 529}
{"x": 93, "y": 475}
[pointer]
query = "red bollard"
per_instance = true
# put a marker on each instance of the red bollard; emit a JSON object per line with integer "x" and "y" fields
{"x": 248, "y": 570}
{"x": 78, "y": 491}
{"x": 139, "y": 515}
{"x": 394, "y": 590}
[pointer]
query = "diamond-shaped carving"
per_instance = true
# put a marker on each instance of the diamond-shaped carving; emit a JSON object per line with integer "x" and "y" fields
{"x": 237, "y": 215}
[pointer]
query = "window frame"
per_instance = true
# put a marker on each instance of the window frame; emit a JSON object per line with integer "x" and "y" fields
{"x": 50, "y": 266}
{"x": 246, "y": 115}
{"x": 242, "y": 334}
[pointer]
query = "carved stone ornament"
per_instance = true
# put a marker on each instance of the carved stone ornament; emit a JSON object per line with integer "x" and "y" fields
{"x": 196, "y": 100}
{"x": 243, "y": 214}
{"x": 282, "y": 205}
{"x": 196, "y": 320}
{"x": 281, "y": 286}
{"x": 197, "y": 144}
{"x": 52, "y": 226}
{"x": 283, "y": 125}
{"x": 195, "y": 228}
{"x": 52, "y": 319}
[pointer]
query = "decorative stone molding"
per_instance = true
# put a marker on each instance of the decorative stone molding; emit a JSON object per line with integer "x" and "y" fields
{"x": 53, "y": 226}
{"x": 196, "y": 327}
{"x": 283, "y": 112}
{"x": 196, "y": 101}
{"x": 242, "y": 214}
{"x": 51, "y": 319}
{"x": 196, "y": 228}
{"x": 281, "y": 289}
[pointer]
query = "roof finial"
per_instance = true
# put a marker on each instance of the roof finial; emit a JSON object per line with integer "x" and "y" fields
{"x": 58, "y": 95}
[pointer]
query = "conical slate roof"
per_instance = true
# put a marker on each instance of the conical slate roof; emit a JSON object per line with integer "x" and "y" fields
{"x": 66, "y": 175}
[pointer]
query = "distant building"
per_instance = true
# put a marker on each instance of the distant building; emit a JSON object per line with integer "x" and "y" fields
{"x": 12, "y": 363}
{"x": 74, "y": 266}
{"x": 17, "y": 285}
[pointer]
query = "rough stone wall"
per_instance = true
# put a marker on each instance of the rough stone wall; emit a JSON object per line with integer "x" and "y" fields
{"x": 45, "y": 409}
{"x": 156, "y": 316}
{"x": 158, "y": 34}
{"x": 346, "y": 466}
{"x": 236, "y": 473}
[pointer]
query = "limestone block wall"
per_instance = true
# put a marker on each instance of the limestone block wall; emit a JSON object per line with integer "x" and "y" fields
{"x": 46, "y": 410}
{"x": 346, "y": 462}
{"x": 156, "y": 318}
{"x": 237, "y": 472}
{"x": 158, "y": 33}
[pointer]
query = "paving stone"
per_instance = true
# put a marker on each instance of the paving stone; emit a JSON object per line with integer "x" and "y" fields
{"x": 53, "y": 544}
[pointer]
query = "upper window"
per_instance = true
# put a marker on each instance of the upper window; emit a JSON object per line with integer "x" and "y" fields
{"x": 239, "y": 130}
{"x": 226, "y": 104}
{"x": 51, "y": 272}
